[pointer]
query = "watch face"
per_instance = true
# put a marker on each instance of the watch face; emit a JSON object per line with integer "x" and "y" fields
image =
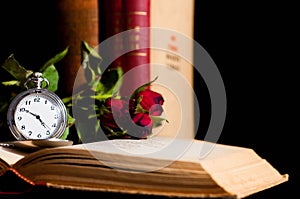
{"x": 37, "y": 114}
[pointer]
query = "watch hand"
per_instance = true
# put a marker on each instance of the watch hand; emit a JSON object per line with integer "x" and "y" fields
{"x": 27, "y": 111}
{"x": 39, "y": 118}
{"x": 44, "y": 124}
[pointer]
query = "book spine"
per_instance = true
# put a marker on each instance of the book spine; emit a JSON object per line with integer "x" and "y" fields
{"x": 114, "y": 24}
{"x": 136, "y": 67}
{"x": 77, "y": 21}
{"x": 172, "y": 62}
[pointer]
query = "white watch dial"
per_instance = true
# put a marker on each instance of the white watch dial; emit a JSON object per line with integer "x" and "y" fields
{"x": 37, "y": 115}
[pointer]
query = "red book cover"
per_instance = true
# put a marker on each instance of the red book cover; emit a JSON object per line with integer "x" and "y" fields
{"x": 136, "y": 66}
{"x": 114, "y": 24}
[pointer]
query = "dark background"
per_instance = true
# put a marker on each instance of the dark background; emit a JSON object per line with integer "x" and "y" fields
{"x": 254, "y": 49}
{"x": 28, "y": 30}
{"x": 252, "y": 45}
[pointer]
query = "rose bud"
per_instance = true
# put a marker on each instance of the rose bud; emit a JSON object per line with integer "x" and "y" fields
{"x": 151, "y": 101}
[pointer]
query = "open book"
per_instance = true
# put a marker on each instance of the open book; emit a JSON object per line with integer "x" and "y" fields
{"x": 158, "y": 166}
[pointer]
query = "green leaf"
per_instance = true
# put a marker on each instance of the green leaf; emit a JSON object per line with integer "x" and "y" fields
{"x": 90, "y": 50}
{"x": 157, "y": 121}
{"x": 65, "y": 134}
{"x": 11, "y": 83}
{"x": 55, "y": 59}
{"x": 91, "y": 62}
{"x": 71, "y": 121}
{"x": 142, "y": 87}
{"x": 15, "y": 69}
{"x": 110, "y": 81}
{"x": 113, "y": 133}
{"x": 67, "y": 100}
{"x": 51, "y": 74}
{"x": 101, "y": 97}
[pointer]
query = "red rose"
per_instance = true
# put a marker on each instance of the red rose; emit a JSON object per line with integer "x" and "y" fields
{"x": 116, "y": 118}
{"x": 116, "y": 110}
{"x": 151, "y": 101}
{"x": 144, "y": 125}
{"x": 142, "y": 119}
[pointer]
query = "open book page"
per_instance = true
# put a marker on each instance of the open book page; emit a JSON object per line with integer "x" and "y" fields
{"x": 146, "y": 155}
{"x": 156, "y": 147}
{"x": 238, "y": 170}
{"x": 241, "y": 170}
{"x": 165, "y": 148}
{"x": 11, "y": 156}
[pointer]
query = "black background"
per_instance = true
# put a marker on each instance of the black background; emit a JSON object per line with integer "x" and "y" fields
{"x": 254, "y": 49}
{"x": 252, "y": 46}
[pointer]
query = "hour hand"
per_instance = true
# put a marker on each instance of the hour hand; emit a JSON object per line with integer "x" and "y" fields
{"x": 37, "y": 116}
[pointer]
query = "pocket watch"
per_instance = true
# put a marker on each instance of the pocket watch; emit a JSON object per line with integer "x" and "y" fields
{"x": 37, "y": 113}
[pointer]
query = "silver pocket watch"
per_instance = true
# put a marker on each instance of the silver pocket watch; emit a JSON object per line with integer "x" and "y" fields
{"x": 37, "y": 113}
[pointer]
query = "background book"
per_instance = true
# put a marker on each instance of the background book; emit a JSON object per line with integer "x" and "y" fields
{"x": 76, "y": 21}
{"x": 159, "y": 42}
{"x": 172, "y": 62}
{"x": 125, "y": 48}
{"x": 136, "y": 42}
{"x": 111, "y": 20}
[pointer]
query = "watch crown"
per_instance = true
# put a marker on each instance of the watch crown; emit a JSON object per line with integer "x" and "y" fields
{"x": 37, "y": 80}
{"x": 37, "y": 74}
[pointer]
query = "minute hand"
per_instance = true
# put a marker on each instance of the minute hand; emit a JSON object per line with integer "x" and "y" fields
{"x": 43, "y": 123}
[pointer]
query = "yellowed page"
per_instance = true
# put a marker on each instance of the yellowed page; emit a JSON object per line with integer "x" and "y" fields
{"x": 11, "y": 156}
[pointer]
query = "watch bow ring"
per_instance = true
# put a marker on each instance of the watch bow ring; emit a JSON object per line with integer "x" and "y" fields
{"x": 37, "y": 113}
